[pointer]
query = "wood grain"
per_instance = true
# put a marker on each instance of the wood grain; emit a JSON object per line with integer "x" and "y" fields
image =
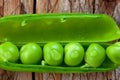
{"x": 117, "y": 72}
{"x": 23, "y": 76}
{"x": 47, "y": 76}
{"x": 46, "y": 6}
{"x": 6, "y": 75}
{"x": 105, "y": 6}
{"x": 12, "y": 7}
{"x": 117, "y": 13}
{"x": 1, "y": 8}
{"x": 38, "y": 76}
{"x": 27, "y": 6}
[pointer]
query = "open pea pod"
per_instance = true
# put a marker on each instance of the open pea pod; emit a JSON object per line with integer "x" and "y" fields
{"x": 63, "y": 28}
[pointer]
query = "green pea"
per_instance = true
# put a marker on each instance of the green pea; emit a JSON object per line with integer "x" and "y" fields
{"x": 9, "y": 52}
{"x": 113, "y": 53}
{"x": 95, "y": 55}
{"x": 31, "y": 53}
{"x": 53, "y": 53}
{"x": 74, "y": 53}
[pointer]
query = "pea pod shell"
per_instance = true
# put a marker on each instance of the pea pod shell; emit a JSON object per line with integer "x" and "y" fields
{"x": 61, "y": 28}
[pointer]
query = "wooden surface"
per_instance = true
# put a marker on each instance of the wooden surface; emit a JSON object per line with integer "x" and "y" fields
{"x": 13, "y": 7}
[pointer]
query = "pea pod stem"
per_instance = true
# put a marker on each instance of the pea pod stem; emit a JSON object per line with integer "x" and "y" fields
{"x": 43, "y": 62}
{"x": 85, "y": 66}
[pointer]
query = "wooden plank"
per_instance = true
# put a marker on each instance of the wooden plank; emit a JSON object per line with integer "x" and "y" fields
{"x": 11, "y": 75}
{"x": 38, "y": 76}
{"x": 64, "y": 6}
{"x": 83, "y": 76}
{"x": 23, "y": 76}
{"x": 27, "y": 6}
{"x": 1, "y": 8}
{"x": 6, "y": 75}
{"x": 12, "y": 7}
{"x": 67, "y": 76}
{"x": 90, "y": 76}
{"x": 105, "y": 6}
{"x": 47, "y": 76}
{"x": 116, "y": 14}
{"x": 85, "y": 6}
{"x": 46, "y": 6}
{"x": 60, "y": 6}
{"x": 117, "y": 76}
{"x": 76, "y": 76}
